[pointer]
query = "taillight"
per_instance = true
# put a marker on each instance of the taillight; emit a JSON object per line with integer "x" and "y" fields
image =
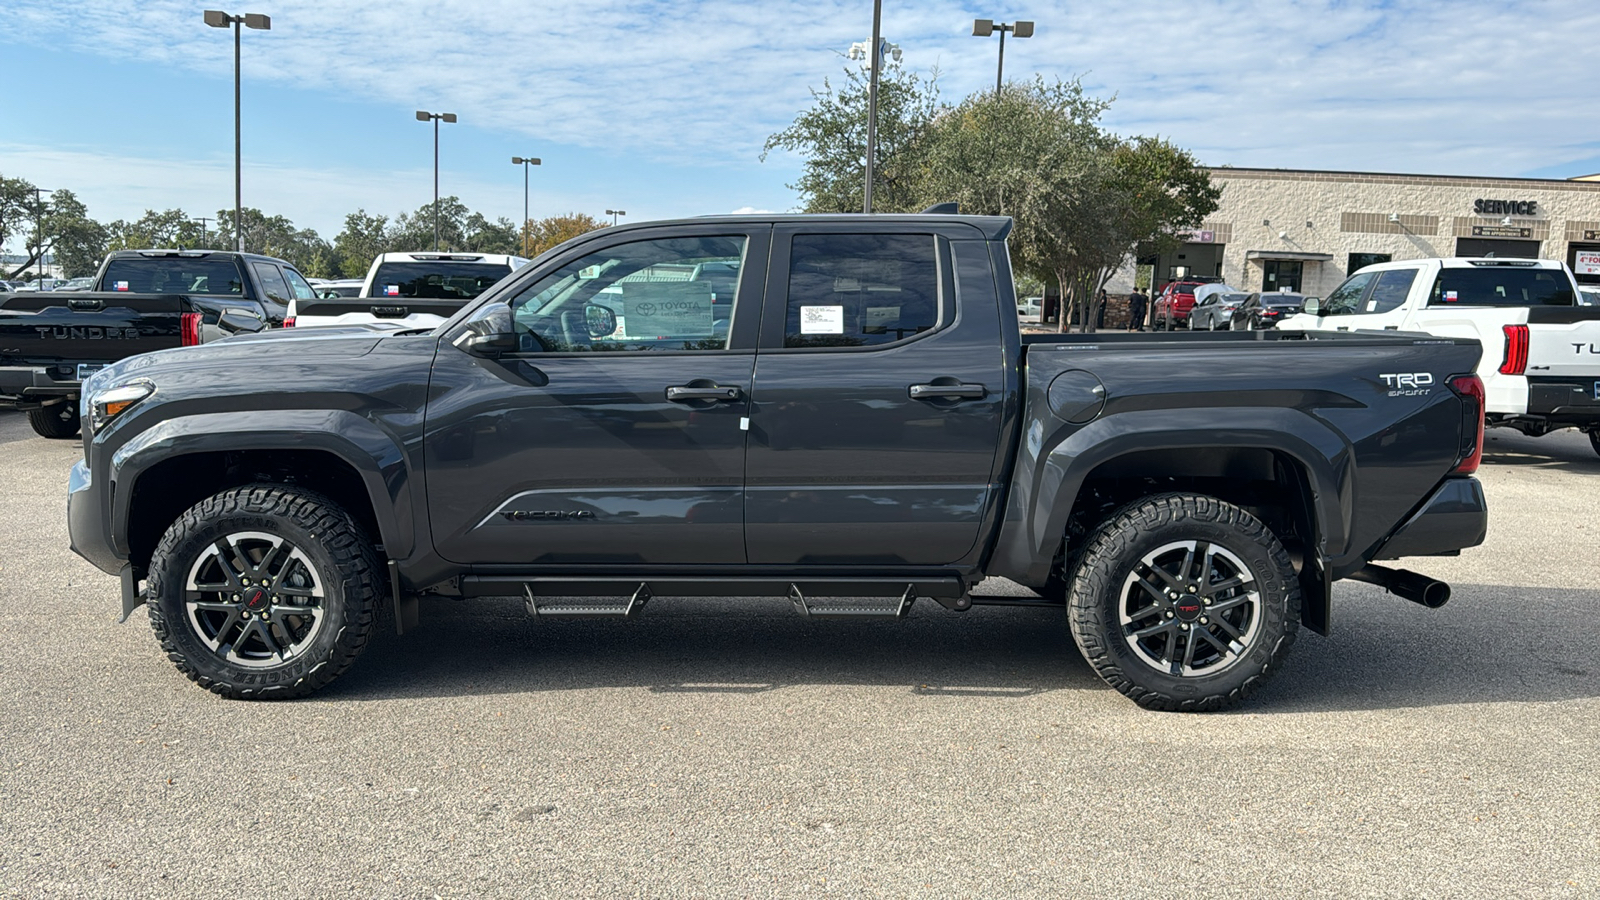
{"x": 191, "y": 329}
{"x": 1516, "y": 361}
{"x": 1470, "y": 389}
{"x": 288, "y": 322}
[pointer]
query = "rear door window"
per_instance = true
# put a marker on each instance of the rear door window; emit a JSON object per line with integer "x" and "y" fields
{"x": 860, "y": 290}
{"x": 1501, "y": 286}
{"x": 1346, "y": 298}
{"x": 302, "y": 288}
{"x": 1390, "y": 292}
{"x": 272, "y": 283}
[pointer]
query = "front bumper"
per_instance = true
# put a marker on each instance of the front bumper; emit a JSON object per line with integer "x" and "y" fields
{"x": 30, "y": 387}
{"x": 1455, "y": 516}
{"x": 86, "y": 522}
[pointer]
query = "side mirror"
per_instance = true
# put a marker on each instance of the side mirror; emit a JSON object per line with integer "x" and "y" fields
{"x": 488, "y": 346}
{"x": 1312, "y": 307}
{"x": 601, "y": 320}
{"x": 238, "y": 321}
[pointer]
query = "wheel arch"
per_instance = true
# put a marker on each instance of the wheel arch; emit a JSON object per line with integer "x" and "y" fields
{"x": 174, "y": 465}
{"x": 1286, "y": 467}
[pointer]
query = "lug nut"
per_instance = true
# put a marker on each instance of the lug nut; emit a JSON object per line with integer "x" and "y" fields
{"x": 1207, "y": 601}
{"x": 1183, "y": 628}
{"x": 1193, "y": 589}
{"x": 1204, "y": 621}
{"x": 1169, "y": 613}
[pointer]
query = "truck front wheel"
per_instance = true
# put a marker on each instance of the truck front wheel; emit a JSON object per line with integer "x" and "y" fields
{"x": 264, "y": 592}
{"x": 1184, "y": 602}
{"x": 58, "y": 421}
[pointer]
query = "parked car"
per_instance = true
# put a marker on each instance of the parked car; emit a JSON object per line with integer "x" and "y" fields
{"x": 1215, "y": 310}
{"x": 411, "y": 290}
{"x": 1266, "y": 309}
{"x": 333, "y": 289}
{"x": 1589, "y": 295}
{"x": 143, "y": 300}
{"x": 1030, "y": 307}
{"x": 1172, "y": 307}
{"x": 268, "y": 495}
{"x": 1541, "y": 360}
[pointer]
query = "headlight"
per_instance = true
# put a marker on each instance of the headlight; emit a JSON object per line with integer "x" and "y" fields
{"x": 108, "y": 404}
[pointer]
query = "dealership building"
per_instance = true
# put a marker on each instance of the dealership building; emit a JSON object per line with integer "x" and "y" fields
{"x": 1286, "y": 229}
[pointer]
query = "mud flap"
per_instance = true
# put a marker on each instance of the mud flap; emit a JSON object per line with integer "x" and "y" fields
{"x": 132, "y": 596}
{"x": 1316, "y": 595}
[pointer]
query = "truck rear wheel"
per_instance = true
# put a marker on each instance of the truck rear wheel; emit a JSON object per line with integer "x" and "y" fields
{"x": 264, "y": 592}
{"x": 1594, "y": 440}
{"x": 1184, "y": 602}
{"x": 58, "y": 421}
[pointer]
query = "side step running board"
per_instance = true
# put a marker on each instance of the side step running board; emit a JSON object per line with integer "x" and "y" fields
{"x": 897, "y": 611}
{"x": 629, "y": 610}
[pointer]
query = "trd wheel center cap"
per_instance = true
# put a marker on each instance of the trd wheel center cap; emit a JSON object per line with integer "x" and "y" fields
{"x": 257, "y": 600}
{"x": 1188, "y": 608}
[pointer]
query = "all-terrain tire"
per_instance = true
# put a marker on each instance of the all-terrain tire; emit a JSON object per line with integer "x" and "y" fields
{"x": 1594, "y": 440}
{"x": 1104, "y": 592}
{"x": 58, "y": 421}
{"x": 343, "y": 571}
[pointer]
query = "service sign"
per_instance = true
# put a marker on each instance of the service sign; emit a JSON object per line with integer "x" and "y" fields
{"x": 1587, "y": 262}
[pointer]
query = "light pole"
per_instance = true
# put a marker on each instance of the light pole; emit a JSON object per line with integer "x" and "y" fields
{"x": 219, "y": 19}
{"x": 986, "y": 27}
{"x": 202, "y": 220}
{"x": 876, "y": 50}
{"x": 613, "y": 213}
{"x": 524, "y": 163}
{"x": 38, "y": 231}
{"x": 436, "y": 117}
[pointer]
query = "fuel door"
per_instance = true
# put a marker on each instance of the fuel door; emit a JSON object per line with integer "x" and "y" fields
{"x": 1077, "y": 396}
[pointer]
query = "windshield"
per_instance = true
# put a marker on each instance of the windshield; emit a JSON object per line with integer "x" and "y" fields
{"x": 1501, "y": 286}
{"x": 441, "y": 280}
{"x": 1282, "y": 300}
{"x": 173, "y": 275}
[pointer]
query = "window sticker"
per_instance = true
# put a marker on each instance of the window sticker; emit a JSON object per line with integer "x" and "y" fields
{"x": 1450, "y": 296}
{"x": 391, "y": 290}
{"x": 120, "y": 286}
{"x": 822, "y": 320}
{"x": 668, "y": 309}
{"x": 1372, "y": 306}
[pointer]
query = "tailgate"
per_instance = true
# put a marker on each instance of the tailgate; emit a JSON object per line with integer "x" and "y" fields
{"x": 381, "y": 308}
{"x": 1564, "y": 341}
{"x": 51, "y": 327}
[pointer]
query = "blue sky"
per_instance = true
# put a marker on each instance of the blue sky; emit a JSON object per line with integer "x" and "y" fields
{"x": 660, "y": 108}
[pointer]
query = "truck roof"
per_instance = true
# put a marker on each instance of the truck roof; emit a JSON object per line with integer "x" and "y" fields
{"x": 993, "y": 228}
{"x": 193, "y": 254}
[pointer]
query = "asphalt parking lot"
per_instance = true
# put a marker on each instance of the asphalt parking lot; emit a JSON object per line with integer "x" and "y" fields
{"x": 717, "y": 748}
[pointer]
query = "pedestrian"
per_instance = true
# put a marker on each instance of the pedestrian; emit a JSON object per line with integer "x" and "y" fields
{"x": 1100, "y": 309}
{"x": 1136, "y": 306}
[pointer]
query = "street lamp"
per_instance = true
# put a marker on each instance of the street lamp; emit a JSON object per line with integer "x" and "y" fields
{"x": 219, "y": 19}
{"x": 436, "y": 117}
{"x": 38, "y": 231}
{"x": 613, "y": 213}
{"x": 524, "y": 163}
{"x": 986, "y": 27}
{"x": 856, "y": 52}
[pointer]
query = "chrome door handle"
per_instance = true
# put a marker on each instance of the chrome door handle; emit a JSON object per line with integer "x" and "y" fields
{"x": 948, "y": 392}
{"x": 681, "y": 393}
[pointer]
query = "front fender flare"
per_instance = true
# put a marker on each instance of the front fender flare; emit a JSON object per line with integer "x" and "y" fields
{"x": 376, "y": 455}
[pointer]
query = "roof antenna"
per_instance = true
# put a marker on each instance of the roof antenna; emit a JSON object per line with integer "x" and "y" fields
{"x": 942, "y": 209}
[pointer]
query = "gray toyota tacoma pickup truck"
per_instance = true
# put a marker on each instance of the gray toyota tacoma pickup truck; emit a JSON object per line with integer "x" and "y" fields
{"x": 799, "y": 407}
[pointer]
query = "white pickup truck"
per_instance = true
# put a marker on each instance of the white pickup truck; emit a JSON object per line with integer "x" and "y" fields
{"x": 1541, "y": 349}
{"x": 410, "y": 290}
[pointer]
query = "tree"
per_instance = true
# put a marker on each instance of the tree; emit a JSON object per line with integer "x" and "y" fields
{"x": 483, "y": 236}
{"x": 831, "y": 138}
{"x": 553, "y": 230}
{"x": 16, "y": 199}
{"x": 277, "y": 236}
{"x": 77, "y": 242}
{"x": 414, "y": 231}
{"x": 364, "y": 237}
{"x": 172, "y": 228}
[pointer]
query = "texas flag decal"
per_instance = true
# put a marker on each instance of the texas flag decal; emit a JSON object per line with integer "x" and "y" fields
{"x": 391, "y": 290}
{"x": 119, "y": 286}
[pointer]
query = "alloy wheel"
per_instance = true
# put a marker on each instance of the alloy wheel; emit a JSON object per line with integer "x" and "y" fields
{"x": 1190, "y": 608}
{"x": 255, "y": 599}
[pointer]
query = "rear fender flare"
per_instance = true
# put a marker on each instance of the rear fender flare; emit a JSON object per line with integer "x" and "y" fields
{"x": 374, "y": 454}
{"x": 1048, "y": 485}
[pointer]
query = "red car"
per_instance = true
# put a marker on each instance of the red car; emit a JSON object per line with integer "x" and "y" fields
{"x": 1172, "y": 307}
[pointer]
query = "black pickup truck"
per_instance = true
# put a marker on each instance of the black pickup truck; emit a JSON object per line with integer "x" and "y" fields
{"x": 143, "y": 300}
{"x": 801, "y": 407}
